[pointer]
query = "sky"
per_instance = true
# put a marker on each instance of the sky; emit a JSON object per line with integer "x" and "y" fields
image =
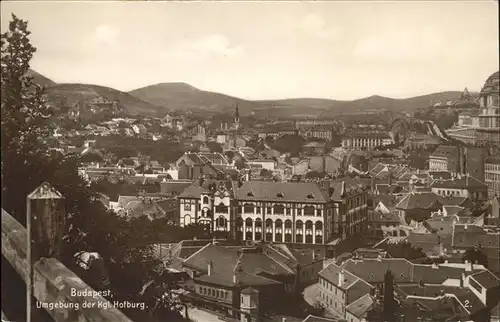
{"x": 267, "y": 50}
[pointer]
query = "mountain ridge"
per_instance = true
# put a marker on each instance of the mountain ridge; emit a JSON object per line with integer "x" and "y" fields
{"x": 162, "y": 97}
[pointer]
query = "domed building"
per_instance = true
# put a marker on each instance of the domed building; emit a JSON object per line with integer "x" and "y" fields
{"x": 482, "y": 129}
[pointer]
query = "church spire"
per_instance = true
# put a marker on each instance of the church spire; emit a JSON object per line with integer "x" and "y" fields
{"x": 237, "y": 113}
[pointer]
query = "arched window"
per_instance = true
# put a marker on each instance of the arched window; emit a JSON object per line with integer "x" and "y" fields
{"x": 269, "y": 223}
{"x": 221, "y": 208}
{"x": 309, "y": 224}
{"x": 299, "y": 224}
{"x": 288, "y": 223}
{"x": 248, "y": 222}
{"x": 278, "y": 223}
{"x": 221, "y": 221}
{"x": 318, "y": 225}
{"x": 308, "y": 211}
{"x": 279, "y": 209}
{"x": 258, "y": 222}
{"x": 187, "y": 220}
{"x": 248, "y": 208}
{"x": 205, "y": 199}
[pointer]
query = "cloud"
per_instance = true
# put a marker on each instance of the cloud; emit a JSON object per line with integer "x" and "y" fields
{"x": 105, "y": 34}
{"x": 421, "y": 44}
{"x": 211, "y": 46}
{"x": 316, "y": 26}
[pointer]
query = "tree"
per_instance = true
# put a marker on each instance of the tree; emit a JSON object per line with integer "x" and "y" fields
{"x": 214, "y": 147}
{"x": 26, "y": 163}
{"x": 265, "y": 173}
{"x": 289, "y": 144}
{"x": 404, "y": 250}
{"x": 390, "y": 306}
{"x": 476, "y": 256}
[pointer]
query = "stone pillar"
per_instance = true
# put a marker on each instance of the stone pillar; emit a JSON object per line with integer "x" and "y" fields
{"x": 253, "y": 230}
{"x": 45, "y": 228}
{"x": 314, "y": 233}
{"x": 304, "y": 233}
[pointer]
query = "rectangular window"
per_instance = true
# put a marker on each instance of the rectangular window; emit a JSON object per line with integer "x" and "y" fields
{"x": 257, "y": 210}
{"x": 187, "y": 207}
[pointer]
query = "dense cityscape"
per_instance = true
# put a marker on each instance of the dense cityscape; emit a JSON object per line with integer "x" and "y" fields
{"x": 116, "y": 207}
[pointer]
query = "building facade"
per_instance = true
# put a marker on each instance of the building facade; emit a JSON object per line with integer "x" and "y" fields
{"x": 482, "y": 129}
{"x": 492, "y": 175}
{"x": 369, "y": 140}
{"x": 278, "y": 212}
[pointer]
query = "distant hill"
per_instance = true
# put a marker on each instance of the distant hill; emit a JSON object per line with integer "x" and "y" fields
{"x": 39, "y": 78}
{"x": 69, "y": 94}
{"x": 374, "y": 103}
{"x": 182, "y": 96}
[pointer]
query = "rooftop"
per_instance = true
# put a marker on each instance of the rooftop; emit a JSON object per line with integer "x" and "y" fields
{"x": 307, "y": 192}
{"x": 445, "y": 151}
{"x": 422, "y": 200}
{"x": 359, "y": 307}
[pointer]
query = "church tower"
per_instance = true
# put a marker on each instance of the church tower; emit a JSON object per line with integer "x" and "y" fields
{"x": 237, "y": 118}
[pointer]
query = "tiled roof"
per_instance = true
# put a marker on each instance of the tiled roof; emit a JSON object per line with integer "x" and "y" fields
{"x": 440, "y": 175}
{"x": 445, "y": 151}
{"x": 440, "y": 225}
{"x": 243, "y": 278}
{"x": 378, "y": 217}
{"x": 224, "y": 260}
{"x": 466, "y": 182}
{"x": 386, "y": 189}
{"x": 194, "y": 190}
{"x": 312, "y": 318}
{"x": 492, "y": 160}
{"x": 423, "y": 200}
{"x": 359, "y": 307}
{"x": 486, "y": 279}
{"x": 468, "y": 236}
{"x": 174, "y": 187}
{"x": 331, "y": 274}
{"x": 456, "y": 201}
{"x": 308, "y": 192}
{"x": 430, "y": 242}
{"x": 438, "y": 293}
{"x": 452, "y": 210}
{"x": 373, "y": 270}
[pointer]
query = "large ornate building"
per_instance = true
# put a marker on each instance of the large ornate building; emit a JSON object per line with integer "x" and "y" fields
{"x": 292, "y": 212}
{"x": 484, "y": 128}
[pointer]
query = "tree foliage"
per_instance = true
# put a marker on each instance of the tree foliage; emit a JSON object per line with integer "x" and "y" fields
{"x": 26, "y": 162}
{"x": 289, "y": 144}
{"x": 390, "y": 306}
{"x": 404, "y": 250}
{"x": 476, "y": 256}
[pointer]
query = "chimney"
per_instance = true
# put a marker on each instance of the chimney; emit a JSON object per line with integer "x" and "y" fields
{"x": 468, "y": 266}
{"x": 462, "y": 280}
{"x": 235, "y": 278}
{"x": 210, "y": 268}
{"x": 341, "y": 277}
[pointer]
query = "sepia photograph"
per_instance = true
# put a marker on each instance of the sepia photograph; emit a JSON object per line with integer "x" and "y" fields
{"x": 250, "y": 161}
